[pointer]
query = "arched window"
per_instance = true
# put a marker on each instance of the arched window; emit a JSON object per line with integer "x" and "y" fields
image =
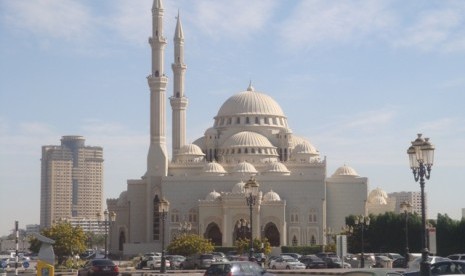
{"x": 247, "y": 120}
{"x": 174, "y": 216}
{"x": 238, "y": 120}
{"x": 256, "y": 120}
{"x": 313, "y": 240}
{"x": 213, "y": 233}
{"x": 294, "y": 241}
{"x": 272, "y": 234}
{"x": 312, "y": 216}
{"x": 192, "y": 215}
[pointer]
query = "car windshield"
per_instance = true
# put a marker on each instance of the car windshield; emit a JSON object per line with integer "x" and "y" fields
{"x": 206, "y": 257}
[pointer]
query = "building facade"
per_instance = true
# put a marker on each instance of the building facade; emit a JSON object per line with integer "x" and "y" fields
{"x": 71, "y": 181}
{"x": 414, "y": 198}
{"x": 204, "y": 182}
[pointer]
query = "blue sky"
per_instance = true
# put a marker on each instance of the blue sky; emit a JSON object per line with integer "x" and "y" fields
{"x": 359, "y": 79}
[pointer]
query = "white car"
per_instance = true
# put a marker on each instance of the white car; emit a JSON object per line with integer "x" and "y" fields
{"x": 154, "y": 262}
{"x": 415, "y": 264}
{"x": 285, "y": 262}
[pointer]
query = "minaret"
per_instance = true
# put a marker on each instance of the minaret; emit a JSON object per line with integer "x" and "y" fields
{"x": 178, "y": 101}
{"x": 157, "y": 159}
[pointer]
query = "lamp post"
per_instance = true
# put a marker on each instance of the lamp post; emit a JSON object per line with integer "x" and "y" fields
{"x": 363, "y": 222}
{"x": 251, "y": 191}
{"x": 163, "y": 210}
{"x": 112, "y": 219}
{"x": 406, "y": 208}
{"x": 421, "y": 156}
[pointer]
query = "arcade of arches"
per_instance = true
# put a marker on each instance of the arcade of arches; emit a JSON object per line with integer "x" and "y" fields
{"x": 242, "y": 231}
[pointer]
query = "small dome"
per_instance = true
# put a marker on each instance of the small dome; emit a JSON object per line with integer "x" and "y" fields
{"x": 345, "y": 171}
{"x": 305, "y": 148}
{"x": 378, "y": 192}
{"x": 378, "y": 200}
{"x": 277, "y": 167}
{"x": 245, "y": 167}
{"x": 271, "y": 196}
{"x": 213, "y": 168}
{"x": 247, "y": 139}
{"x": 190, "y": 149}
{"x": 238, "y": 188}
{"x": 122, "y": 199}
{"x": 212, "y": 196}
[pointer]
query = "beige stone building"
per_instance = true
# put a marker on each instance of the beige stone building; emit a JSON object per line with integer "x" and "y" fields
{"x": 71, "y": 181}
{"x": 204, "y": 181}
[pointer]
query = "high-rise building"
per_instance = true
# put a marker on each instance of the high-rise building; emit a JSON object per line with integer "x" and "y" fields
{"x": 414, "y": 198}
{"x": 71, "y": 182}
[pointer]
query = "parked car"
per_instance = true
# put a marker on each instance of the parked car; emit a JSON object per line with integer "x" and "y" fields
{"x": 175, "y": 260}
{"x": 154, "y": 262}
{"x": 399, "y": 263}
{"x": 371, "y": 272}
{"x": 443, "y": 268}
{"x": 415, "y": 264}
{"x": 335, "y": 262}
{"x": 312, "y": 261}
{"x": 286, "y": 262}
{"x": 197, "y": 261}
{"x": 456, "y": 257}
{"x": 99, "y": 267}
{"x": 293, "y": 255}
{"x": 236, "y": 268}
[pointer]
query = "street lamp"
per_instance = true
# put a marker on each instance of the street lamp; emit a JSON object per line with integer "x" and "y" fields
{"x": 163, "y": 211}
{"x": 107, "y": 216}
{"x": 421, "y": 156}
{"x": 406, "y": 208}
{"x": 363, "y": 222}
{"x": 112, "y": 219}
{"x": 251, "y": 191}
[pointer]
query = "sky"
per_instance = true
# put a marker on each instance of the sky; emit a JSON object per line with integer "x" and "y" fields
{"x": 359, "y": 79}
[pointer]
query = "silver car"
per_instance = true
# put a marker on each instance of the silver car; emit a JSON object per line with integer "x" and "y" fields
{"x": 285, "y": 262}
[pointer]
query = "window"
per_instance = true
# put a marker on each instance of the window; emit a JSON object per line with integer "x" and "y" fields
{"x": 247, "y": 120}
{"x": 238, "y": 120}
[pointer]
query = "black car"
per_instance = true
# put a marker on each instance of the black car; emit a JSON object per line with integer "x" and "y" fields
{"x": 443, "y": 268}
{"x": 236, "y": 268}
{"x": 99, "y": 267}
{"x": 312, "y": 261}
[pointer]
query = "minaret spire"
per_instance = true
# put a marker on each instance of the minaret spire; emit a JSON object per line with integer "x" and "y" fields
{"x": 157, "y": 159}
{"x": 178, "y": 100}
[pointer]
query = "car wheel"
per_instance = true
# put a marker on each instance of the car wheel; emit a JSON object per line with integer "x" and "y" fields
{"x": 152, "y": 267}
{"x": 288, "y": 267}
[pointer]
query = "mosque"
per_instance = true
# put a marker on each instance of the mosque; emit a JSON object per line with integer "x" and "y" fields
{"x": 204, "y": 183}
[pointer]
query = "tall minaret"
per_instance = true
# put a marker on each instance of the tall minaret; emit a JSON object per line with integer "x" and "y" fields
{"x": 157, "y": 159}
{"x": 178, "y": 101}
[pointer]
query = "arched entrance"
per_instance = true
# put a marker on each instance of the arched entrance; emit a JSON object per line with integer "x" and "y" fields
{"x": 272, "y": 234}
{"x": 214, "y": 234}
{"x": 241, "y": 230}
{"x": 121, "y": 240}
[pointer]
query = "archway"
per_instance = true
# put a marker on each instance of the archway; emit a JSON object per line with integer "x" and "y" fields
{"x": 272, "y": 234}
{"x": 121, "y": 240}
{"x": 214, "y": 234}
{"x": 241, "y": 230}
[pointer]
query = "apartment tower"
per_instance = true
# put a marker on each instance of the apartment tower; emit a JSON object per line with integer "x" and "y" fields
{"x": 71, "y": 181}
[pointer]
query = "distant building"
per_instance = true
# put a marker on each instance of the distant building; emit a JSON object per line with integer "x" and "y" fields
{"x": 71, "y": 181}
{"x": 32, "y": 228}
{"x": 463, "y": 212}
{"x": 413, "y": 197}
{"x": 379, "y": 202}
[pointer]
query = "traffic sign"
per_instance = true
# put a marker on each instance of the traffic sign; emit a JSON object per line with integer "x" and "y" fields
{"x": 3, "y": 264}
{"x": 26, "y": 264}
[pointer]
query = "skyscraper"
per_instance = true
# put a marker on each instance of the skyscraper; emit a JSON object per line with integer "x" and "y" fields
{"x": 71, "y": 181}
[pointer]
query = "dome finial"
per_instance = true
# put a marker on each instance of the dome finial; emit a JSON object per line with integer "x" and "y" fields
{"x": 250, "y": 88}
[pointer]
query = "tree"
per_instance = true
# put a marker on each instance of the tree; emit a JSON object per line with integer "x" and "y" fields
{"x": 243, "y": 246}
{"x": 69, "y": 240}
{"x": 189, "y": 244}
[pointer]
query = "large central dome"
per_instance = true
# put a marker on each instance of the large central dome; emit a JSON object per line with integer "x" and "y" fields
{"x": 250, "y": 102}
